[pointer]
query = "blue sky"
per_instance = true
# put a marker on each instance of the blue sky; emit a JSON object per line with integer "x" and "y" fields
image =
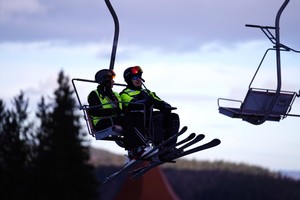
{"x": 192, "y": 53}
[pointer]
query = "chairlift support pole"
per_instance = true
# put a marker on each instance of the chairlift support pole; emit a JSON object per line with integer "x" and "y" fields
{"x": 278, "y": 59}
{"x": 278, "y": 47}
{"x": 116, "y": 34}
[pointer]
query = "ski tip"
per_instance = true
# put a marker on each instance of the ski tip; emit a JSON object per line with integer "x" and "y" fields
{"x": 184, "y": 128}
{"x": 192, "y": 135}
{"x": 202, "y": 136}
{"x": 217, "y": 141}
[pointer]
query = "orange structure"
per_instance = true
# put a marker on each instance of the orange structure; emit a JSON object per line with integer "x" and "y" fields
{"x": 152, "y": 185}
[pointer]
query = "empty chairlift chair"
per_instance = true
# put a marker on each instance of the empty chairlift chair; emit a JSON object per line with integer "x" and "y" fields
{"x": 262, "y": 105}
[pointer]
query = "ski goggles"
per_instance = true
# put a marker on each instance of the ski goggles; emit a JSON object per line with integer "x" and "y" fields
{"x": 111, "y": 75}
{"x": 136, "y": 70}
{"x": 136, "y": 77}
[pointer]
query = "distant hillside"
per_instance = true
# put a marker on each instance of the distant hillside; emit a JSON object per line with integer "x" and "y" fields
{"x": 293, "y": 174}
{"x": 101, "y": 157}
{"x": 194, "y": 180}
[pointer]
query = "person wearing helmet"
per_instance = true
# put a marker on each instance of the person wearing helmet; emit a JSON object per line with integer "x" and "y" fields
{"x": 104, "y": 102}
{"x": 164, "y": 123}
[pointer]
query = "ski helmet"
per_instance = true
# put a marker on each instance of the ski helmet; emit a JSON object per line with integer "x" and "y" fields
{"x": 104, "y": 75}
{"x": 130, "y": 72}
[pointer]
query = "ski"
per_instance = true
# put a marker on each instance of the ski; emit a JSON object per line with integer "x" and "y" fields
{"x": 211, "y": 144}
{"x": 175, "y": 155}
{"x": 166, "y": 150}
{"x": 138, "y": 172}
{"x": 190, "y": 137}
{"x": 171, "y": 148}
{"x": 145, "y": 157}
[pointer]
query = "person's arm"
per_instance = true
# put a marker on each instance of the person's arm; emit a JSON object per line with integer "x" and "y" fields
{"x": 132, "y": 102}
{"x": 159, "y": 103}
{"x": 97, "y": 107}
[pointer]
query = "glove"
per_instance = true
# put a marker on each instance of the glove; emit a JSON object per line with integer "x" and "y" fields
{"x": 167, "y": 108}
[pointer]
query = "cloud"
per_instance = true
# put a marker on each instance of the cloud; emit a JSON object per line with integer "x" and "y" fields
{"x": 184, "y": 26}
{"x": 12, "y": 8}
{"x": 192, "y": 52}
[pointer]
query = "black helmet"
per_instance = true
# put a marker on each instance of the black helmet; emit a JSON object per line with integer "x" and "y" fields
{"x": 131, "y": 72}
{"x": 104, "y": 75}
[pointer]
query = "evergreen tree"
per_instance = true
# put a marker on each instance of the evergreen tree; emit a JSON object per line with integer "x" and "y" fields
{"x": 62, "y": 169}
{"x": 43, "y": 113}
{"x": 2, "y": 116}
{"x": 15, "y": 149}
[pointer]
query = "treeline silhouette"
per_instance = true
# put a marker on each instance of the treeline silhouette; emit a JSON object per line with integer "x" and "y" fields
{"x": 222, "y": 184}
{"x": 45, "y": 156}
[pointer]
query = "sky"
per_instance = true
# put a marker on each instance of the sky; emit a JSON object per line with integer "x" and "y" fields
{"x": 192, "y": 53}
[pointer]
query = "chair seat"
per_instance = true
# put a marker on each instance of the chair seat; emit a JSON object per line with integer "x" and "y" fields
{"x": 261, "y": 104}
{"x": 110, "y": 133}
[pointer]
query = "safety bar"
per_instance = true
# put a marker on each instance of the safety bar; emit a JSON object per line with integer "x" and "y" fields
{"x": 90, "y": 81}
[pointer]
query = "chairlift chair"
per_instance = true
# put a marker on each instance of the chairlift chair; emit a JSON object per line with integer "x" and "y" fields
{"x": 113, "y": 132}
{"x": 260, "y": 104}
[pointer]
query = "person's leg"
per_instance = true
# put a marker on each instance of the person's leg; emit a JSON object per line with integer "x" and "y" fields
{"x": 102, "y": 124}
{"x": 171, "y": 124}
{"x": 157, "y": 128}
{"x": 131, "y": 139}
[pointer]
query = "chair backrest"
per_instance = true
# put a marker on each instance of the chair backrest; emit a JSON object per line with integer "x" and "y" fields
{"x": 259, "y": 101}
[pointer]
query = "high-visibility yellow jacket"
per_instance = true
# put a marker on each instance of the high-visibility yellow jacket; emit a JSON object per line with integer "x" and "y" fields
{"x": 142, "y": 96}
{"x": 108, "y": 107}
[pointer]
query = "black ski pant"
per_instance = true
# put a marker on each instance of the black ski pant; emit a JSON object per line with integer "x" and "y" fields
{"x": 162, "y": 126}
{"x": 171, "y": 127}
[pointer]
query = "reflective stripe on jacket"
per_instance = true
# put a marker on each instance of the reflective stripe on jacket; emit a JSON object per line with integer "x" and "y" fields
{"x": 106, "y": 103}
{"x": 128, "y": 95}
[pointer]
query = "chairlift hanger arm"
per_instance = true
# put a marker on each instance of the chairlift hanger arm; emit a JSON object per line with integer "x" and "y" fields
{"x": 116, "y": 34}
{"x": 278, "y": 60}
